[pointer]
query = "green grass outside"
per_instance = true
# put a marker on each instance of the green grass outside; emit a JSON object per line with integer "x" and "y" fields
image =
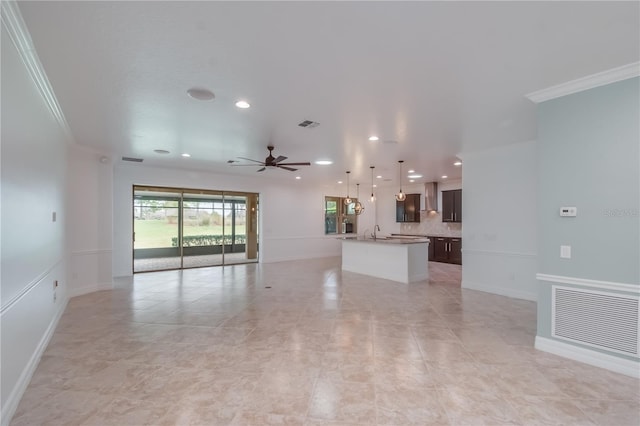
{"x": 158, "y": 233}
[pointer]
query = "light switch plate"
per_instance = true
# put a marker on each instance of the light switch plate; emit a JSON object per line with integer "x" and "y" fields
{"x": 565, "y": 252}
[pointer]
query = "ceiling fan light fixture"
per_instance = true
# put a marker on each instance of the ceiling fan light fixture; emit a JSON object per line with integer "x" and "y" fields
{"x": 401, "y": 196}
{"x": 243, "y": 104}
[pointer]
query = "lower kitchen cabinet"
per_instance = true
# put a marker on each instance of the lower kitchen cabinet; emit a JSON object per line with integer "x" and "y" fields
{"x": 446, "y": 249}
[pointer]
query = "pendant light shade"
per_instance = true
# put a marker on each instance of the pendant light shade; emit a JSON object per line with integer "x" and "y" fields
{"x": 358, "y": 208}
{"x": 401, "y": 196}
{"x": 348, "y": 200}
{"x": 373, "y": 197}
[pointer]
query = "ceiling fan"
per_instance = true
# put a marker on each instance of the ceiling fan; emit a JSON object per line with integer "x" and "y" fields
{"x": 271, "y": 161}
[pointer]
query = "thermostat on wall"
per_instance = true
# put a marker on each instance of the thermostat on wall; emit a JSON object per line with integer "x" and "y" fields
{"x": 568, "y": 211}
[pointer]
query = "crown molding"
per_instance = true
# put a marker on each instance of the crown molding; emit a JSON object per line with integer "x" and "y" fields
{"x": 19, "y": 34}
{"x": 585, "y": 83}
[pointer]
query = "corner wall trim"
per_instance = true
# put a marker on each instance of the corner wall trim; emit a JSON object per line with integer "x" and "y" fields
{"x": 607, "y": 285}
{"x": 11, "y": 404}
{"x": 26, "y": 289}
{"x": 19, "y": 34}
{"x": 500, "y": 291}
{"x": 585, "y": 83}
{"x": 587, "y": 356}
{"x": 499, "y": 253}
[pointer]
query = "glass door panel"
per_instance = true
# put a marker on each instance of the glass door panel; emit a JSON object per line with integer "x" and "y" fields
{"x": 156, "y": 230}
{"x": 240, "y": 230}
{"x": 203, "y": 229}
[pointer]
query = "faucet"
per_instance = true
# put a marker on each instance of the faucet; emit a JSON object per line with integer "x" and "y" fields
{"x": 374, "y": 231}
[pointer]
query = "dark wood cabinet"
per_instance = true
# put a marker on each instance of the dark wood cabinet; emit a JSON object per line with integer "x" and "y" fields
{"x": 409, "y": 209}
{"x": 452, "y": 206}
{"x": 445, "y": 249}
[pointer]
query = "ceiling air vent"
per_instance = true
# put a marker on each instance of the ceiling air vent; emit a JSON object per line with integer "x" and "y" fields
{"x": 132, "y": 159}
{"x": 309, "y": 124}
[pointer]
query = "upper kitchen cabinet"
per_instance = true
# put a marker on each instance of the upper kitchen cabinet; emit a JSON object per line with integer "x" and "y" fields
{"x": 452, "y": 206}
{"x": 409, "y": 209}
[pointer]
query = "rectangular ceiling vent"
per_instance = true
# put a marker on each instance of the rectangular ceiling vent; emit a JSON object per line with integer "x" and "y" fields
{"x": 308, "y": 124}
{"x": 608, "y": 321}
{"x": 132, "y": 159}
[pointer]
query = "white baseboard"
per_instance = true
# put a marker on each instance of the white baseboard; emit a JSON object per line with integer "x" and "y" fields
{"x": 502, "y": 291}
{"x": 74, "y": 292}
{"x": 588, "y": 356}
{"x": 11, "y": 404}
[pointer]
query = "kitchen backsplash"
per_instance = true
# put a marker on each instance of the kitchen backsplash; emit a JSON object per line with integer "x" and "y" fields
{"x": 431, "y": 224}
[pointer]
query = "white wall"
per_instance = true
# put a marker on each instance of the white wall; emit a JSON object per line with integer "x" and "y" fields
{"x": 291, "y": 214}
{"x": 33, "y": 164}
{"x": 90, "y": 225}
{"x": 499, "y": 214}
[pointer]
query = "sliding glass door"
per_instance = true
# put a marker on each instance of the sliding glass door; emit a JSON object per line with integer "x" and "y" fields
{"x": 156, "y": 231}
{"x": 182, "y": 228}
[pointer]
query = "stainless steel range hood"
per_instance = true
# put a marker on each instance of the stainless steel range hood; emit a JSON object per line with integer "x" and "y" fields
{"x": 431, "y": 196}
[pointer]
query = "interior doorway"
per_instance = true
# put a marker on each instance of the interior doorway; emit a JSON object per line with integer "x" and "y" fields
{"x": 176, "y": 228}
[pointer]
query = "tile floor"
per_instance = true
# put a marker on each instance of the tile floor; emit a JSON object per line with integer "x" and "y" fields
{"x": 304, "y": 343}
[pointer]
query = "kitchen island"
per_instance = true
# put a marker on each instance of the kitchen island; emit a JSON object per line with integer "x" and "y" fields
{"x": 397, "y": 259}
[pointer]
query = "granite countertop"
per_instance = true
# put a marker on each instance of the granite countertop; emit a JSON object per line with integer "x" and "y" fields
{"x": 448, "y": 235}
{"x": 388, "y": 240}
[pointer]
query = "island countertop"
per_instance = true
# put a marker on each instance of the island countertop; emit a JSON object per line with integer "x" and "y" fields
{"x": 387, "y": 240}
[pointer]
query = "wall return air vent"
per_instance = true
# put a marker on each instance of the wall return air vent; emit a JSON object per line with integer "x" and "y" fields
{"x": 309, "y": 124}
{"x": 132, "y": 159}
{"x": 608, "y": 321}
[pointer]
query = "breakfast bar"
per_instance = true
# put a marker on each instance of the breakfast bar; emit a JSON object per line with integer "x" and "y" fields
{"x": 397, "y": 259}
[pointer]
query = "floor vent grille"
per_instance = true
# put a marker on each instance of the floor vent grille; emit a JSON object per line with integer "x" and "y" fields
{"x": 604, "y": 320}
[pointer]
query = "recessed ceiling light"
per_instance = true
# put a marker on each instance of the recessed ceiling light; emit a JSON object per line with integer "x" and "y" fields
{"x": 324, "y": 162}
{"x": 298, "y": 177}
{"x": 378, "y": 177}
{"x": 411, "y": 171}
{"x": 186, "y": 155}
{"x": 373, "y": 138}
{"x": 411, "y": 180}
{"x": 414, "y": 176}
{"x": 444, "y": 176}
{"x": 161, "y": 151}
{"x": 458, "y": 163}
{"x": 200, "y": 94}
{"x": 375, "y": 186}
{"x": 339, "y": 181}
{"x": 243, "y": 104}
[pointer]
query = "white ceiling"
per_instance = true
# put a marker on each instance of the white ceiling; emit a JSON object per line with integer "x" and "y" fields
{"x": 439, "y": 78}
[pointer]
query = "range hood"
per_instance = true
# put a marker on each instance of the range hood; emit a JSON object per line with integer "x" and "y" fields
{"x": 431, "y": 196}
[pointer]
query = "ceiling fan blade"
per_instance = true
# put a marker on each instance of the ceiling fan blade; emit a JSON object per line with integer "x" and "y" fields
{"x": 295, "y": 164}
{"x": 291, "y": 169}
{"x": 262, "y": 169}
{"x": 249, "y": 159}
{"x": 246, "y": 165}
{"x": 279, "y": 159}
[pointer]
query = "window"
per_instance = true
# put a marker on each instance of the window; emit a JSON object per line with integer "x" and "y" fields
{"x": 338, "y": 217}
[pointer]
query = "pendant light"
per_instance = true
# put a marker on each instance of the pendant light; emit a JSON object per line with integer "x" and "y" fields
{"x": 359, "y": 209}
{"x": 348, "y": 200}
{"x": 401, "y": 196}
{"x": 373, "y": 197}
